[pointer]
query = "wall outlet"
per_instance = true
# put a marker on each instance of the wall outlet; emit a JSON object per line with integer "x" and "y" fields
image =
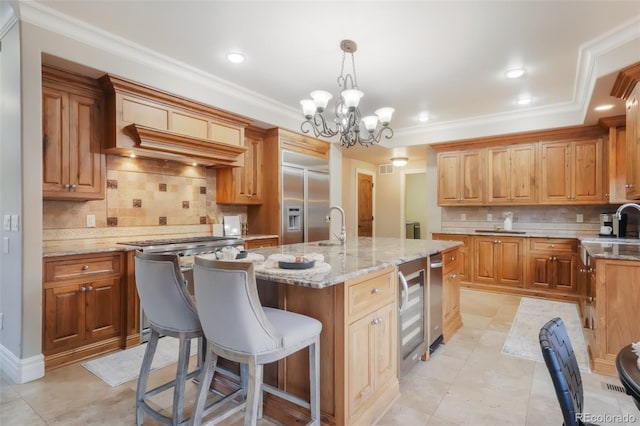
{"x": 463, "y": 216}
{"x": 1, "y": 321}
{"x": 579, "y": 218}
{"x": 489, "y": 217}
{"x": 91, "y": 221}
{"x": 5, "y": 245}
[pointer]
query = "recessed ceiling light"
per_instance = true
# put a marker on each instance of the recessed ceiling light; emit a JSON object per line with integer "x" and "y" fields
{"x": 399, "y": 161}
{"x": 525, "y": 100}
{"x": 235, "y": 57}
{"x": 515, "y": 73}
{"x": 423, "y": 116}
{"x": 603, "y": 107}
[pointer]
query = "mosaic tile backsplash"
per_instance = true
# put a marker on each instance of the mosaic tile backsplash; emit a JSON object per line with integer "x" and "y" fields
{"x": 145, "y": 192}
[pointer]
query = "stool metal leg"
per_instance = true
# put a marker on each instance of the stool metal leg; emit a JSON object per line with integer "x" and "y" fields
{"x": 314, "y": 381}
{"x": 206, "y": 375}
{"x": 144, "y": 375}
{"x": 181, "y": 377}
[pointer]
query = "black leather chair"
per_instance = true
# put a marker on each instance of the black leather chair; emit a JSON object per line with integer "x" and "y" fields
{"x": 563, "y": 367}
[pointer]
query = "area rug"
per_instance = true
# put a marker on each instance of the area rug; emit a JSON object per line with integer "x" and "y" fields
{"x": 121, "y": 367}
{"x": 532, "y": 314}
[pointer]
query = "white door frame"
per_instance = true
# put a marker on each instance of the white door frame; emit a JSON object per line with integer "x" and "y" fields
{"x": 373, "y": 199}
{"x": 403, "y": 197}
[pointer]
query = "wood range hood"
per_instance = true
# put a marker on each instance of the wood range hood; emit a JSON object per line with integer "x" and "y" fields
{"x": 148, "y": 122}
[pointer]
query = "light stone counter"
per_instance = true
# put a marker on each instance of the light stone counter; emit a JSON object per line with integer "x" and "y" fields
{"x": 542, "y": 233}
{"x": 361, "y": 256}
{"x": 612, "y": 248}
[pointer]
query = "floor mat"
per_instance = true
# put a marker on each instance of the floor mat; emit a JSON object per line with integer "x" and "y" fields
{"x": 532, "y": 314}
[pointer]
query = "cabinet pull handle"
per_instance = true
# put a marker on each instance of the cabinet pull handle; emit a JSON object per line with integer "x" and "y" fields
{"x": 375, "y": 291}
{"x": 405, "y": 291}
{"x": 85, "y": 267}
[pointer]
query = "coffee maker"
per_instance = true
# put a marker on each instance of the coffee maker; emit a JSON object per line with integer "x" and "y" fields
{"x": 611, "y": 226}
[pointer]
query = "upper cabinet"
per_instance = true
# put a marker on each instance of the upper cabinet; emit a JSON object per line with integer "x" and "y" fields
{"x": 153, "y": 123}
{"x": 72, "y": 132}
{"x": 511, "y": 174}
{"x": 243, "y": 185}
{"x": 627, "y": 87}
{"x": 461, "y": 178}
{"x": 572, "y": 172}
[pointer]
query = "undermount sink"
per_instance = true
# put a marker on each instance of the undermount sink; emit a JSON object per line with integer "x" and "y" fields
{"x": 329, "y": 243}
{"x": 498, "y": 231}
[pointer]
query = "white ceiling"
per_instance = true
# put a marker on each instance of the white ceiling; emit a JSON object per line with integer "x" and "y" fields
{"x": 446, "y": 57}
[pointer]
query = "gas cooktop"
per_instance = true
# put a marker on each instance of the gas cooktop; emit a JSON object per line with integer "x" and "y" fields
{"x": 173, "y": 241}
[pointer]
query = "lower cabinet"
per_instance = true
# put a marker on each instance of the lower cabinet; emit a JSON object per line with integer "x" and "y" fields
{"x": 452, "y": 319}
{"x": 616, "y": 303}
{"x": 464, "y": 270}
{"x": 261, "y": 242}
{"x": 83, "y": 306}
{"x": 499, "y": 261}
{"x": 552, "y": 264}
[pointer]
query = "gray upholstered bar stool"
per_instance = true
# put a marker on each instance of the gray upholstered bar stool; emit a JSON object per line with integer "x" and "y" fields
{"x": 171, "y": 312}
{"x": 238, "y": 328}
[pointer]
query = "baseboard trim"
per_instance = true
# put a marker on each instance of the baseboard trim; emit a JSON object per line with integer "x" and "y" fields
{"x": 21, "y": 370}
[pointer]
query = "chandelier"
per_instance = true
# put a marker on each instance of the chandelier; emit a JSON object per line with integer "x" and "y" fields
{"x": 347, "y": 114}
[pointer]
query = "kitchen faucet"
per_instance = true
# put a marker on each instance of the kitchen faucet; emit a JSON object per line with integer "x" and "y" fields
{"x": 624, "y": 206}
{"x": 343, "y": 233}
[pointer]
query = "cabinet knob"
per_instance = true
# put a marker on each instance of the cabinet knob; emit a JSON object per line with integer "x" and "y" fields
{"x": 85, "y": 267}
{"x": 589, "y": 299}
{"x": 73, "y": 186}
{"x": 375, "y": 291}
{"x": 83, "y": 289}
{"x": 66, "y": 185}
{"x": 89, "y": 288}
{"x": 550, "y": 258}
{"x": 376, "y": 321}
{"x": 553, "y": 245}
{"x": 495, "y": 241}
{"x": 454, "y": 276}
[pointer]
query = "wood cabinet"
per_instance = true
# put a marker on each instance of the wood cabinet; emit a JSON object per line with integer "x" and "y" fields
{"x": 461, "y": 178}
{"x": 261, "y": 242}
{"x": 451, "y": 318}
{"x": 552, "y": 264}
{"x": 498, "y": 261}
{"x": 511, "y": 174}
{"x": 616, "y": 304}
{"x": 572, "y": 172}
{"x": 371, "y": 346}
{"x": 243, "y": 185}
{"x": 633, "y": 145}
{"x": 74, "y": 166}
{"x": 464, "y": 260}
{"x": 83, "y": 306}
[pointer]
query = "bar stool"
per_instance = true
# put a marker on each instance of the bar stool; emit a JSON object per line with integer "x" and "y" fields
{"x": 238, "y": 328}
{"x": 171, "y": 312}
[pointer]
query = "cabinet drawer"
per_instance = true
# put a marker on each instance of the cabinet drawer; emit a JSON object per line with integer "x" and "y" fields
{"x": 260, "y": 242}
{"x": 68, "y": 269}
{"x": 549, "y": 244}
{"x": 449, "y": 260}
{"x": 367, "y": 296}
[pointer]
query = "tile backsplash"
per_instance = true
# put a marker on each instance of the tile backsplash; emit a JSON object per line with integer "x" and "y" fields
{"x": 145, "y": 192}
{"x": 528, "y": 218}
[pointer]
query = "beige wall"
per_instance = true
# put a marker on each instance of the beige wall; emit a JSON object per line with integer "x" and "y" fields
{"x": 416, "y": 200}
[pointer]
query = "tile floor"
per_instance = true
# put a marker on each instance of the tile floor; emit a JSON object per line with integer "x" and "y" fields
{"x": 467, "y": 381}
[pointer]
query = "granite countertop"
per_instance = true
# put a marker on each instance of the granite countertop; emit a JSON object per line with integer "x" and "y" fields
{"x": 540, "y": 233}
{"x": 361, "y": 256}
{"x": 105, "y": 245}
{"x": 612, "y": 248}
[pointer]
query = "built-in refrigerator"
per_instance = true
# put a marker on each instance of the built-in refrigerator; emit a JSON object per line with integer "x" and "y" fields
{"x": 305, "y": 198}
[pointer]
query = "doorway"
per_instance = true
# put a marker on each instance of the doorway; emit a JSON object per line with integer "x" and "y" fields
{"x": 364, "y": 195}
{"x": 415, "y": 204}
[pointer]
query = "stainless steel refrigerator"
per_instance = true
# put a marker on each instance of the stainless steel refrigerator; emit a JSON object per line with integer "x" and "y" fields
{"x": 305, "y": 198}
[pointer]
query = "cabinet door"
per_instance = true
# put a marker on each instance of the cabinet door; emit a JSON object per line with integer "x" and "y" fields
{"x": 103, "y": 303}
{"x": 386, "y": 345}
{"x": 540, "y": 265}
{"x": 633, "y": 145}
{"x": 243, "y": 185}
{"x": 64, "y": 318}
{"x": 510, "y": 268}
{"x": 555, "y": 173}
{"x": 361, "y": 347}
{"x": 55, "y": 138}
{"x": 523, "y": 174}
{"x": 485, "y": 265}
{"x": 587, "y": 164}
{"x": 565, "y": 277}
{"x": 86, "y": 164}
{"x": 499, "y": 175}
{"x": 472, "y": 177}
{"x": 448, "y": 178}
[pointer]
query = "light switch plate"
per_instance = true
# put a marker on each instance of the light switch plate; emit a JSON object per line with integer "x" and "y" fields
{"x": 489, "y": 217}
{"x": 463, "y": 216}
{"x": 15, "y": 223}
{"x": 6, "y": 223}
{"x": 91, "y": 221}
{"x": 579, "y": 218}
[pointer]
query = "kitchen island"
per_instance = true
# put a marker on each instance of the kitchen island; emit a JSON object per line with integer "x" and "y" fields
{"x": 357, "y": 302}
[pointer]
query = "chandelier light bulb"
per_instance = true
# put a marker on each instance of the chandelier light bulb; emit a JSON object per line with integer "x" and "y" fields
{"x": 370, "y": 122}
{"x": 352, "y": 98}
{"x": 321, "y": 99}
{"x": 308, "y": 108}
{"x": 384, "y": 115}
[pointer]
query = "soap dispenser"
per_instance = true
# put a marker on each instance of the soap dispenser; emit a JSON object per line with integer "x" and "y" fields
{"x": 508, "y": 221}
